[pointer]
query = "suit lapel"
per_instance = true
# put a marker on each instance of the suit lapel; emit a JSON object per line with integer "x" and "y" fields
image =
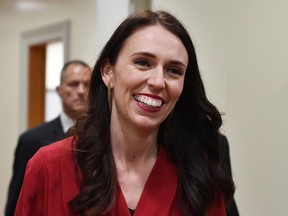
{"x": 58, "y": 129}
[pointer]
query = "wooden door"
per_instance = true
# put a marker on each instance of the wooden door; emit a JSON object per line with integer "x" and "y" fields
{"x": 36, "y": 89}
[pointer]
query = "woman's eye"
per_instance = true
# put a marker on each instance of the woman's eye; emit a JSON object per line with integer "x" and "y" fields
{"x": 142, "y": 62}
{"x": 175, "y": 70}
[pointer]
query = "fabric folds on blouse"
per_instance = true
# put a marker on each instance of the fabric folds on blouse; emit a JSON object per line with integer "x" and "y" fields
{"x": 52, "y": 180}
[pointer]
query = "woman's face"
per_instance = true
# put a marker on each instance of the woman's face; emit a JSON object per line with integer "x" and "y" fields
{"x": 148, "y": 77}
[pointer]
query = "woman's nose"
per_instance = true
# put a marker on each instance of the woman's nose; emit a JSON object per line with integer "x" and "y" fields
{"x": 156, "y": 79}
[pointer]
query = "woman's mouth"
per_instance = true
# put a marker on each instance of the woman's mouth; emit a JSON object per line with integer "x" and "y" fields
{"x": 148, "y": 101}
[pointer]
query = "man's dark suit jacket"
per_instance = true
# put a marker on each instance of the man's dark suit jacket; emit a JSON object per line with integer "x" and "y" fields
{"x": 28, "y": 144}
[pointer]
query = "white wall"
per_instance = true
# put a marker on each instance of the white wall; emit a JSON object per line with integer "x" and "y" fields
{"x": 257, "y": 105}
{"x": 91, "y": 23}
{"x": 242, "y": 48}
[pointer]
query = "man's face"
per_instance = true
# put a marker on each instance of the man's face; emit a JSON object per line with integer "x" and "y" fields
{"x": 73, "y": 89}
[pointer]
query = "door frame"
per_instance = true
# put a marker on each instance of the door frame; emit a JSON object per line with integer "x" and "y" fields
{"x": 58, "y": 31}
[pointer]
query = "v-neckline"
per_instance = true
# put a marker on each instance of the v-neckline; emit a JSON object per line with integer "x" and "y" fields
{"x": 159, "y": 190}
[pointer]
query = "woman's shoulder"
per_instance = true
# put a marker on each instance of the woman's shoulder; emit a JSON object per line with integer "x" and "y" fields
{"x": 59, "y": 148}
{"x": 52, "y": 154}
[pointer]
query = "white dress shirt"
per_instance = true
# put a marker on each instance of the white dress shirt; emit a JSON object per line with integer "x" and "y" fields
{"x": 66, "y": 122}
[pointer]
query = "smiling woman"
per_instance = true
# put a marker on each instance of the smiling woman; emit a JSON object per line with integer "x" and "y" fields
{"x": 150, "y": 67}
{"x": 154, "y": 150}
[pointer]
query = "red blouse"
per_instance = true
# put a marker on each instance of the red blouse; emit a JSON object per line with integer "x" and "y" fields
{"x": 51, "y": 182}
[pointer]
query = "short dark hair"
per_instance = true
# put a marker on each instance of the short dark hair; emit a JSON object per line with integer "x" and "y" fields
{"x": 71, "y": 62}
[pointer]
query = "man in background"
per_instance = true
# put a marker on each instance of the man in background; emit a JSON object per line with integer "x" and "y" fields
{"x": 73, "y": 90}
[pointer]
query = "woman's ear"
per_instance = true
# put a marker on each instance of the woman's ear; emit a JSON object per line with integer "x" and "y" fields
{"x": 107, "y": 72}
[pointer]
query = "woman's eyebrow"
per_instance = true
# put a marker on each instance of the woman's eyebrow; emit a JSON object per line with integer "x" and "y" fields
{"x": 176, "y": 62}
{"x": 148, "y": 54}
{"x": 145, "y": 54}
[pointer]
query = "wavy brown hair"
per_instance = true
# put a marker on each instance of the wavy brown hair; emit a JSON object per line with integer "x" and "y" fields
{"x": 190, "y": 136}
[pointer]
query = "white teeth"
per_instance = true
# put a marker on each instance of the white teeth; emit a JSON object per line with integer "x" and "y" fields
{"x": 148, "y": 101}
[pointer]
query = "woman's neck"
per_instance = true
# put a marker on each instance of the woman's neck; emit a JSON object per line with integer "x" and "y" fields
{"x": 131, "y": 149}
{"x": 132, "y": 144}
{"x": 134, "y": 156}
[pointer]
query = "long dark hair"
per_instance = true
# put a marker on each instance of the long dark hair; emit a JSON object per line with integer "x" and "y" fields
{"x": 190, "y": 135}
